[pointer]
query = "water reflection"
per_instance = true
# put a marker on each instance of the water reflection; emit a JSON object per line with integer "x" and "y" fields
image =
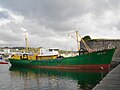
{"x": 45, "y": 79}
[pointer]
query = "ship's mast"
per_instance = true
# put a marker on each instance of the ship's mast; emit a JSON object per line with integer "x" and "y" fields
{"x": 77, "y": 37}
{"x": 26, "y": 41}
{"x": 78, "y": 43}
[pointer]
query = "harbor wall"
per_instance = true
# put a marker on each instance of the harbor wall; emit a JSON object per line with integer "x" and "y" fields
{"x": 100, "y": 44}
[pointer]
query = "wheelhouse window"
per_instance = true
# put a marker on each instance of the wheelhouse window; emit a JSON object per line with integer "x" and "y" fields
{"x": 50, "y": 50}
{"x": 55, "y": 49}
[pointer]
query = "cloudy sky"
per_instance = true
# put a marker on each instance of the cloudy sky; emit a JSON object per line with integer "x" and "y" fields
{"x": 48, "y": 22}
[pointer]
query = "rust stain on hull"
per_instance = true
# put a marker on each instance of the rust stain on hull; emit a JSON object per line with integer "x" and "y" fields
{"x": 74, "y": 67}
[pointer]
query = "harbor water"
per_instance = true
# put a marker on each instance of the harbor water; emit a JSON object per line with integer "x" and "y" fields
{"x": 14, "y": 78}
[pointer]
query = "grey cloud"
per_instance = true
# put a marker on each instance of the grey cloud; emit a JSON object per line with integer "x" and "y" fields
{"x": 50, "y": 13}
{"x": 53, "y": 14}
{"x": 8, "y": 36}
{"x": 3, "y": 15}
{"x": 47, "y": 19}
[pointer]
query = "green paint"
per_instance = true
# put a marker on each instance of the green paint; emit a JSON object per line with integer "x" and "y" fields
{"x": 94, "y": 58}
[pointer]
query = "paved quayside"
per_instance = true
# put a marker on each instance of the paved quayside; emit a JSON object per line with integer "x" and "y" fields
{"x": 111, "y": 81}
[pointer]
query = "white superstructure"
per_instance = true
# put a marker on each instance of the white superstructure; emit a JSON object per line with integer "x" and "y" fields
{"x": 48, "y": 51}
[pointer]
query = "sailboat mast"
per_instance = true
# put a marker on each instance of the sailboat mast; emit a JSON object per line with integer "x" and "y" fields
{"x": 78, "y": 43}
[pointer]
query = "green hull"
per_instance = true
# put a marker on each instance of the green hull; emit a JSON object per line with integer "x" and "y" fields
{"x": 94, "y": 60}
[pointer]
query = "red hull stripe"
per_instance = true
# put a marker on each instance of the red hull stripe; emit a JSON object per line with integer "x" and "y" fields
{"x": 3, "y": 62}
{"x": 72, "y": 67}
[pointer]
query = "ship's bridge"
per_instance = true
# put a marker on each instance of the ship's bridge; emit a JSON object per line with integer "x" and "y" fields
{"x": 49, "y": 51}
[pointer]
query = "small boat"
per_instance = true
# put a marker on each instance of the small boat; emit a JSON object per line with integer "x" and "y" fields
{"x": 2, "y": 61}
{"x": 91, "y": 59}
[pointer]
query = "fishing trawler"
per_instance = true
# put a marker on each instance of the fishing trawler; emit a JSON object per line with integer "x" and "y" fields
{"x": 50, "y": 58}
